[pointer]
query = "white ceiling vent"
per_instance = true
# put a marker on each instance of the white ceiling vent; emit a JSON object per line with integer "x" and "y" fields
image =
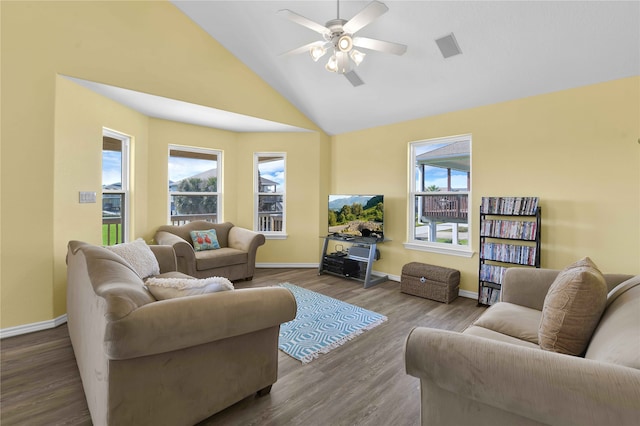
{"x": 448, "y": 46}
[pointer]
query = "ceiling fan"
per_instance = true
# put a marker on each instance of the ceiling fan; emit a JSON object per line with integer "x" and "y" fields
{"x": 340, "y": 40}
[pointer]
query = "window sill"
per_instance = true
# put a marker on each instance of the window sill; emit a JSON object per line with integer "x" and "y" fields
{"x": 440, "y": 249}
{"x": 275, "y": 236}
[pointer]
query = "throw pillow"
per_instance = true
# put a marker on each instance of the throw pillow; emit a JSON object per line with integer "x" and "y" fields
{"x": 139, "y": 256}
{"x": 205, "y": 240}
{"x": 170, "y": 288}
{"x": 572, "y": 308}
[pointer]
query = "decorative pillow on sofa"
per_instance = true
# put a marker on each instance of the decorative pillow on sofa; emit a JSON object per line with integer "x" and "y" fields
{"x": 170, "y": 288}
{"x": 138, "y": 254}
{"x": 572, "y": 308}
{"x": 205, "y": 240}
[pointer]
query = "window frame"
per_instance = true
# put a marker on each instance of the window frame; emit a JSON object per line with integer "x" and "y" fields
{"x": 282, "y": 234}
{"x": 125, "y": 147}
{"x": 432, "y": 246}
{"x": 219, "y": 179}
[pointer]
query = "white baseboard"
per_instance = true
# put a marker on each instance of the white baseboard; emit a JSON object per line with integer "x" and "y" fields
{"x": 44, "y": 325}
{"x": 462, "y": 293}
{"x": 30, "y": 328}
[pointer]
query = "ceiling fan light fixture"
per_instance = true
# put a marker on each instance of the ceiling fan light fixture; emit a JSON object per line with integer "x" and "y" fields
{"x": 357, "y": 56}
{"x": 345, "y": 43}
{"x": 332, "y": 64}
{"x": 317, "y": 52}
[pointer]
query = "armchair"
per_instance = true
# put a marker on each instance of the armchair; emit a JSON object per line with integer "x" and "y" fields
{"x": 235, "y": 259}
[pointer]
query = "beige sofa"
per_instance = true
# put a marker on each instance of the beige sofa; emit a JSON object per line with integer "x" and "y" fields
{"x": 494, "y": 373}
{"x": 235, "y": 260}
{"x": 169, "y": 362}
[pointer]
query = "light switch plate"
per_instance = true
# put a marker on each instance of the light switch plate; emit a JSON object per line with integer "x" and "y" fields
{"x": 87, "y": 197}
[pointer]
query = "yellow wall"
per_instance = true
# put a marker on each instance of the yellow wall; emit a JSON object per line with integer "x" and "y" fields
{"x": 148, "y": 46}
{"x": 305, "y": 180}
{"x": 577, "y": 150}
{"x": 80, "y": 116}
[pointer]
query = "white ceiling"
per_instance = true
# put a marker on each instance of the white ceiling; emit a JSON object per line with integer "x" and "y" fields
{"x": 510, "y": 50}
{"x": 184, "y": 112}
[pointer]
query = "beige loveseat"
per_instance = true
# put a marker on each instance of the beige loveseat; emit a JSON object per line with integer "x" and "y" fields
{"x": 235, "y": 259}
{"x": 168, "y": 362}
{"x": 494, "y": 373}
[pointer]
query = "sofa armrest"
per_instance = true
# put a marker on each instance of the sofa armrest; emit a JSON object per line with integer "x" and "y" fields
{"x": 166, "y": 257}
{"x": 527, "y": 286}
{"x": 547, "y": 387}
{"x": 183, "y": 322}
{"x": 185, "y": 254}
{"x": 245, "y": 239}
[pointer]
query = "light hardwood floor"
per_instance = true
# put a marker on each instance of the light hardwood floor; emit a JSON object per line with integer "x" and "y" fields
{"x": 360, "y": 383}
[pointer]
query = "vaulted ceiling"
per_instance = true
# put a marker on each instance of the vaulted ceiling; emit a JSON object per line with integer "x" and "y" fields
{"x": 510, "y": 50}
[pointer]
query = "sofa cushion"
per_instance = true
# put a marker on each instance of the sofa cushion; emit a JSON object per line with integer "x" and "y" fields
{"x": 572, "y": 308}
{"x": 473, "y": 330}
{"x": 512, "y": 320}
{"x": 616, "y": 340}
{"x": 170, "y": 288}
{"x": 205, "y": 240}
{"x": 138, "y": 254}
{"x": 220, "y": 258}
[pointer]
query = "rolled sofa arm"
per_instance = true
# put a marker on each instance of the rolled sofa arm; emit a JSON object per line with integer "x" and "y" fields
{"x": 183, "y": 322}
{"x": 547, "y": 387}
{"x": 527, "y": 286}
{"x": 245, "y": 239}
{"x": 166, "y": 257}
{"x": 186, "y": 256}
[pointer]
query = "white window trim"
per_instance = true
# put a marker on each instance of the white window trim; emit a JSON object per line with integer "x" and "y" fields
{"x": 219, "y": 176}
{"x": 428, "y": 246}
{"x": 126, "y": 178}
{"x": 269, "y": 235}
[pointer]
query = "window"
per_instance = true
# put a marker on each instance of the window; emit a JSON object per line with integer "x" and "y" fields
{"x": 440, "y": 176}
{"x": 115, "y": 187}
{"x": 195, "y": 180}
{"x": 269, "y": 191}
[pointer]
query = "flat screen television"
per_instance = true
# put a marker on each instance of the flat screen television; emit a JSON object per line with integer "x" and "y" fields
{"x": 355, "y": 215}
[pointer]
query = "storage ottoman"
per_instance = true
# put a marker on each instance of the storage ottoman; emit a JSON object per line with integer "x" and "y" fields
{"x": 430, "y": 281}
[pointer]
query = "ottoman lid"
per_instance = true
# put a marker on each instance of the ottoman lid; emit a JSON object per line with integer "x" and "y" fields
{"x": 434, "y": 273}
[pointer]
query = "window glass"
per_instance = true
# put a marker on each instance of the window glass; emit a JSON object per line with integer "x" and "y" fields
{"x": 114, "y": 188}
{"x": 194, "y": 185}
{"x": 440, "y": 190}
{"x": 270, "y": 193}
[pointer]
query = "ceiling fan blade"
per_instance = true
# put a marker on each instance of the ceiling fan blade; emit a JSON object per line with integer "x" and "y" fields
{"x": 306, "y": 48}
{"x": 367, "y": 15}
{"x": 379, "y": 45}
{"x": 305, "y": 22}
{"x": 353, "y": 78}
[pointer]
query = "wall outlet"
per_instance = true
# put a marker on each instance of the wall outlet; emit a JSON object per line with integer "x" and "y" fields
{"x": 87, "y": 197}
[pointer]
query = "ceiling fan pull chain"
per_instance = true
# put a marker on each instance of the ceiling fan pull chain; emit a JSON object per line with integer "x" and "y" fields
{"x": 338, "y": 9}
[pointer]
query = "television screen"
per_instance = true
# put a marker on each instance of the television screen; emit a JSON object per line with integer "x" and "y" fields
{"x": 357, "y": 215}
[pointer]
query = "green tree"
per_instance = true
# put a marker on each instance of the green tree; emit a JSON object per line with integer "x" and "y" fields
{"x": 432, "y": 188}
{"x": 332, "y": 218}
{"x": 356, "y": 210}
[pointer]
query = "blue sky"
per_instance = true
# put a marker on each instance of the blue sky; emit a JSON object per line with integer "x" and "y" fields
{"x": 273, "y": 170}
{"x": 180, "y": 167}
{"x": 438, "y": 176}
{"x": 111, "y": 167}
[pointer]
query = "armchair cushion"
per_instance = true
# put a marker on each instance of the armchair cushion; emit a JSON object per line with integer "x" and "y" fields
{"x": 170, "y": 288}
{"x": 205, "y": 240}
{"x": 138, "y": 254}
{"x": 572, "y": 308}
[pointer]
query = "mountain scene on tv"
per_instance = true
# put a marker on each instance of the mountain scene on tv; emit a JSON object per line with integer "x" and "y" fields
{"x": 358, "y": 215}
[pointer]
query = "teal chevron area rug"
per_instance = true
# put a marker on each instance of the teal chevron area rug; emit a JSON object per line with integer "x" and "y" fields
{"x": 322, "y": 324}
